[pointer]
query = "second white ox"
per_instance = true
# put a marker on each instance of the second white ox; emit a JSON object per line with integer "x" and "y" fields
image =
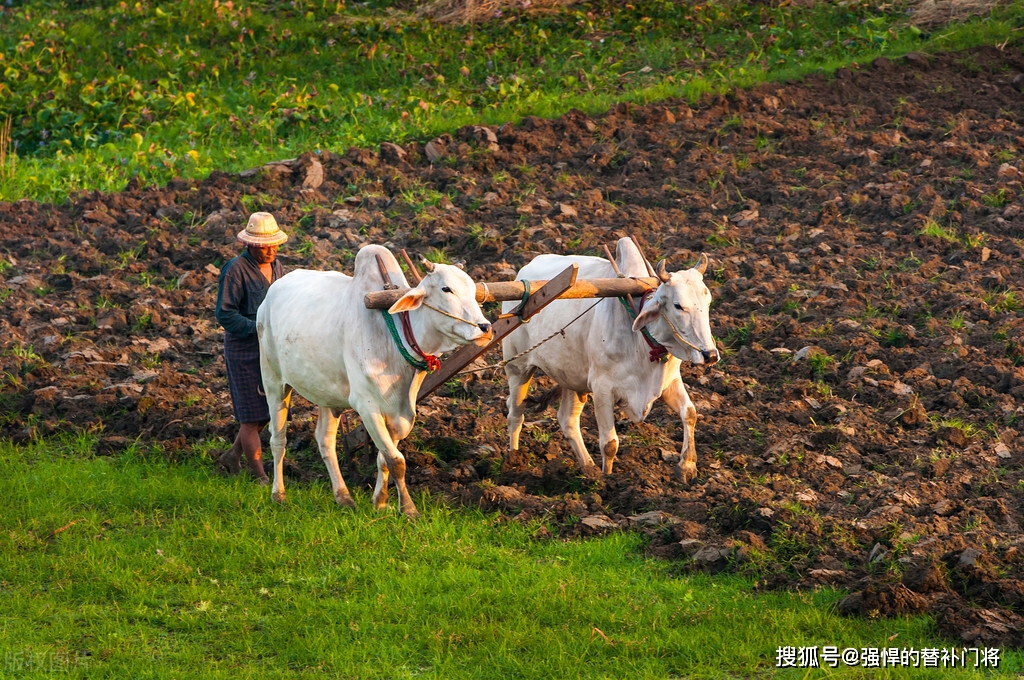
{"x": 604, "y": 352}
{"x": 318, "y": 339}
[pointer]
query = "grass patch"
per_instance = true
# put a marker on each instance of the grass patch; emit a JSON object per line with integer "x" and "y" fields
{"x": 102, "y": 94}
{"x": 933, "y": 229}
{"x": 134, "y": 566}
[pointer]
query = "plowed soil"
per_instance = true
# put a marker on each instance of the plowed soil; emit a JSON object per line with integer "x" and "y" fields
{"x": 865, "y": 230}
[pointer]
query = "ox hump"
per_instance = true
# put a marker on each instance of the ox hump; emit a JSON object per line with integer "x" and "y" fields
{"x": 367, "y": 271}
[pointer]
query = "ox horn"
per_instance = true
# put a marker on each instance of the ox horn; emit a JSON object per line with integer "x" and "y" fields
{"x": 427, "y": 264}
{"x": 702, "y": 264}
{"x": 461, "y": 264}
{"x": 663, "y": 271}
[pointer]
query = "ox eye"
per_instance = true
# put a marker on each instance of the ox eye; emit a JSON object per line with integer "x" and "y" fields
{"x": 446, "y": 289}
{"x": 678, "y": 306}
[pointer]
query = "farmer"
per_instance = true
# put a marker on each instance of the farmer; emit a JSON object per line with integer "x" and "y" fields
{"x": 244, "y": 282}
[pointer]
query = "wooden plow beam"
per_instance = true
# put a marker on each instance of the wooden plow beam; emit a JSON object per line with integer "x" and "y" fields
{"x": 546, "y": 293}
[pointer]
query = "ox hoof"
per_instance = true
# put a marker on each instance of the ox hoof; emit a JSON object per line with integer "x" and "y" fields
{"x": 686, "y": 474}
{"x": 411, "y": 513}
{"x": 278, "y": 497}
{"x": 344, "y": 501}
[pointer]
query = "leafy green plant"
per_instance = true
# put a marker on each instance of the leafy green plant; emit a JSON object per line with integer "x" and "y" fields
{"x": 740, "y": 335}
{"x": 970, "y": 430}
{"x": 870, "y": 263}
{"x": 439, "y": 255}
{"x": 820, "y": 362}
{"x": 1004, "y": 301}
{"x": 894, "y": 336}
{"x": 764, "y": 143}
{"x": 543, "y": 436}
{"x": 822, "y": 389}
{"x": 910, "y": 263}
{"x": 996, "y": 199}
{"x": 933, "y": 229}
{"x": 23, "y": 352}
{"x": 823, "y": 331}
{"x": 142, "y": 322}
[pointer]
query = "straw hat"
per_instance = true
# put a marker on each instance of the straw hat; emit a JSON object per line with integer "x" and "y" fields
{"x": 262, "y": 230}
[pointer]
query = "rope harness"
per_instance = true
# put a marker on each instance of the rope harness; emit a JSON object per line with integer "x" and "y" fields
{"x": 656, "y": 347}
{"x": 560, "y": 331}
{"x": 427, "y": 362}
{"x": 658, "y": 351}
{"x": 449, "y": 315}
{"x": 679, "y": 336}
{"x": 516, "y": 312}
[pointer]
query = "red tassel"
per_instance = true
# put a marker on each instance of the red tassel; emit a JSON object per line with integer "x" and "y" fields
{"x": 658, "y": 353}
{"x": 433, "y": 363}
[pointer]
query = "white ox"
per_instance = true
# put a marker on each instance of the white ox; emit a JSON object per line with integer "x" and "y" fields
{"x": 604, "y": 353}
{"x": 318, "y": 338}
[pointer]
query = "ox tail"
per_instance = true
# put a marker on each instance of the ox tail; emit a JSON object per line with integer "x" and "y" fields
{"x": 536, "y": 404}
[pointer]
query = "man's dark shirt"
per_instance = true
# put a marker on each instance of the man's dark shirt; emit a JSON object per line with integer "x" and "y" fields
{"x": 240, "y": 292}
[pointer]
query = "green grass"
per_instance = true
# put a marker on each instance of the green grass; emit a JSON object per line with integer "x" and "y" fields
{"x": 935, "y": 230}
{"x": 102, "y": 92}
{"x": 137, "y": 567}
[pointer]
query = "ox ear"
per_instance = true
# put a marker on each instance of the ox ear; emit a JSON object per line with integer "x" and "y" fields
{"x": 702, "y": 264}
{"x": 427, "y": 264}
{"x": 647, "y": 315}
{"x": 408, "y": 302}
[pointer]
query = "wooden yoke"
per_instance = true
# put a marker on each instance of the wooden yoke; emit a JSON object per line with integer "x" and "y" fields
{"x": 503, "y": 291}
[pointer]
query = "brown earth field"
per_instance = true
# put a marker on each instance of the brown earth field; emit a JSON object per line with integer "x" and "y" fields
{"x": 865, "y": 230}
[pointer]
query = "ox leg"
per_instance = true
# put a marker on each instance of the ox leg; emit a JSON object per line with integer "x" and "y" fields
{"x": 380, "y": 489}
{"x": 679, "y": 401}
{"x": 569, "y": 410}
{"x": 389, "y": 460}
{"x": 604, "y": 410}
{"x": 327, "y": 423}
{"x": 518, "y": 386}
{"x": 279, "y": 401}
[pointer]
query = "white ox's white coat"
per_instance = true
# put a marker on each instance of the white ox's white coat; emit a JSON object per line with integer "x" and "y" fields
{"x": 319, "y": 339}
{"x": 603, "y": 352}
